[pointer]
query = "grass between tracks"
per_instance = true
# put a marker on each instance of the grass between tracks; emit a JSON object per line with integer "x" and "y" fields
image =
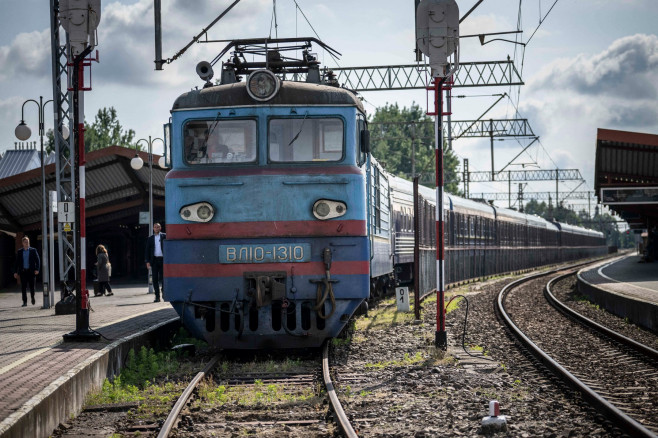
{"x": 149, "y": 378}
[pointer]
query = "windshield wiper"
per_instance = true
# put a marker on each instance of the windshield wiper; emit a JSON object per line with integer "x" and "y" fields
{"x": 300, "y": 130}
{"x": 210, "y": 131}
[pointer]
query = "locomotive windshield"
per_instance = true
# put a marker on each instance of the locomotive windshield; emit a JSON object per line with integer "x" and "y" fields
{"x": 220, "y": 141}
{"x": 305, "y": 139}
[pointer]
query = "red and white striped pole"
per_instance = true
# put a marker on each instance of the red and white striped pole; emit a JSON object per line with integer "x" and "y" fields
{"x": 82, "y": 331}
{"x": 440, "y": 338}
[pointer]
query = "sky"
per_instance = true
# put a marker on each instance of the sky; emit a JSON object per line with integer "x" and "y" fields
{"x": 586, "y": 64}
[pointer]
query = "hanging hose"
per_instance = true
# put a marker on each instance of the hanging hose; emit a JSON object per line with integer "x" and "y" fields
{"x": 321, "y": 296}
{"x": 241, "y": 312}
{"x": 284, "y": 321}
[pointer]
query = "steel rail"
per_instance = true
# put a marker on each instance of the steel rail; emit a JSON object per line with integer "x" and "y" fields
{"x": 341, "y": 418}
{"x": 624, "y": 421}
{"x": 640, "y": 348}
{"x": 169, "y": 423}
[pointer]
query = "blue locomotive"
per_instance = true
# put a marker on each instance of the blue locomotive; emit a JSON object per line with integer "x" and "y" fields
{"x": 280, "y": 223}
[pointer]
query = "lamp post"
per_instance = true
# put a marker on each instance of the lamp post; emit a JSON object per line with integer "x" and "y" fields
{"x": 23, "y": 132}
{"x": 137, "y": 163}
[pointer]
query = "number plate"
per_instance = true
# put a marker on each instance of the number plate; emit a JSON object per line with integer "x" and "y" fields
{"x": 267, "y": 253}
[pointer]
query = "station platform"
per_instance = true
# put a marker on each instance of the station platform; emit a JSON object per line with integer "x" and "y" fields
{"x": 624, "y": 286}
{"x": 44, "y": 380}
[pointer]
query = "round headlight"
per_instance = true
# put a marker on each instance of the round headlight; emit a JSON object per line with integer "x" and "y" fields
{"x": 204, "y": 212}
{"x": 199, "y": 212}
{"x": 322, "y": 209}
{"x": 262, "y": 85}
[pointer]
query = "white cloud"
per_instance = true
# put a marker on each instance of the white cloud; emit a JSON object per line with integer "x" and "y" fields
{"x": 628, "y": 69}
{"x": 28, "y": 54}
{"x": 570, "y": 98}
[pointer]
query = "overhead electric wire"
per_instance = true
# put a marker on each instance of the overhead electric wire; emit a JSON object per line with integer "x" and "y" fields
{"x": 313, "y": 29}
{"x": 541, "y": 19}
{"x": 273, "y": 20}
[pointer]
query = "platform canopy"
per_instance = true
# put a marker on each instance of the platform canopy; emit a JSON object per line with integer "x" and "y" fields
{"x": 626, "y": 175}
{"x": 115, "y": 192}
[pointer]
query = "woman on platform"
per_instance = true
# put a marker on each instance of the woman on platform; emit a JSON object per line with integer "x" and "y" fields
{"x": 104, "y": 270}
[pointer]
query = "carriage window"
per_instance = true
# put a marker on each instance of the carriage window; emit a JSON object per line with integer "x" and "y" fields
{"x": 219, "y": 141}
{"x": 305, "y": 139}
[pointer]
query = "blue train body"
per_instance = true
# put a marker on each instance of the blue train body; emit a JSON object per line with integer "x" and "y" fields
{"x": 266, "y": 269}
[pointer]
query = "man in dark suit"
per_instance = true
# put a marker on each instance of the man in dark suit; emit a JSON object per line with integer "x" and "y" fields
{"x": 154, "y": 253}
{"x": 26, "y": 268}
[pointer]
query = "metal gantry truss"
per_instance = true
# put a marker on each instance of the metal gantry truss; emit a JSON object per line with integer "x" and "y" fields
{"x": 526, "y": 175}
{"x": 416, "y": 76}
{"x": 539, "y": 196}
{"x": 62, "y": 108}
{"x": 497, "y": 127}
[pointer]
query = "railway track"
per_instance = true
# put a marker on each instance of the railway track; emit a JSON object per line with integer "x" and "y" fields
{"x": 265, "y": 403}
{"x": 616, "y": 375}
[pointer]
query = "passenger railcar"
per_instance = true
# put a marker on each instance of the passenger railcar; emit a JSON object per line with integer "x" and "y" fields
{"x": 280, "y": 223}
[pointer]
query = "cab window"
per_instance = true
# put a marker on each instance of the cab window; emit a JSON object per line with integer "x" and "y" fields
{"x": 219, "y": 141}
{"x": 305, "y": 140}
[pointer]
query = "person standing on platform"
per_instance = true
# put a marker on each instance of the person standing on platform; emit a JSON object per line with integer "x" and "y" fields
{"x": 27, "y": 268}
{"x": 154, "y": 253}
{"x": 104, "y": 270}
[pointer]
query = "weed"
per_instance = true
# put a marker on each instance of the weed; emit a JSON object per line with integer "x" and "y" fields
{"x": 383, "y": 316}
{"x": 338, "y": 342}
{"x": 139, "y": 373}
{"x": 348, "y": 391}
{"x": 454, "y": 304}
{"x": 407, "y": 360}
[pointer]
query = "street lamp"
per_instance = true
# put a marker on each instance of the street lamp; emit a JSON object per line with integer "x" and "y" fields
{"x": 137, "y": 163}
{"x": 23, "y": 132}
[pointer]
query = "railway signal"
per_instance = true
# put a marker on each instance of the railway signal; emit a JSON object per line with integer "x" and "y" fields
{"x": 437, "y": 37}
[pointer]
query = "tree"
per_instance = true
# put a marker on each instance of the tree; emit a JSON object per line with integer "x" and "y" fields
{"x": 534, "y": 207}
{"x": 396, "y": 132}
{"x": 105, "y": 131}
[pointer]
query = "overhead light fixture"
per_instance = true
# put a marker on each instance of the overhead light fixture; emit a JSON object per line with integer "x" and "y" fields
{"x": 262, "y": 85}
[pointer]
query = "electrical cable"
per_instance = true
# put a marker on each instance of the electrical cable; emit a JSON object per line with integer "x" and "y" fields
{"x": 464, "y": 331}
{"x": 316, "y": 34}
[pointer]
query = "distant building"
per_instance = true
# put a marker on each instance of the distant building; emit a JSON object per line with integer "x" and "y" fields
{"x": 25, "y": 157}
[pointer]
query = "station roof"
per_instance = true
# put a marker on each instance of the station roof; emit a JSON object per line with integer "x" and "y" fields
{"x": 21, "y": 160}
{"x": 627, "y": 160}
{"x": 115, "y": 192}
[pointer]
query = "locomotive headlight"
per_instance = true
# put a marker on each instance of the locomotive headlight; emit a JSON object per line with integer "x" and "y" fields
{"x": 200, "y": 212}
{"x": 262, "y": 85}
{"x": 324, "y": 209}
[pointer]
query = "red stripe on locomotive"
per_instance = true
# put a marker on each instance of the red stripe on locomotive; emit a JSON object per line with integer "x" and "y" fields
{"x": 228, "y": 230}
{"x": 235, "y": 270}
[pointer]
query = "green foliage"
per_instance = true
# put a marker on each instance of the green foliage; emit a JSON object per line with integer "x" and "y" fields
{"x": 141, "y": 367}
{"x": 105, "y": 131}
{"x": 140, "y": 371}
{"x": 115, "y": 392}
{"x": 395, "y": 133}
{"x": 407, "y": 360}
